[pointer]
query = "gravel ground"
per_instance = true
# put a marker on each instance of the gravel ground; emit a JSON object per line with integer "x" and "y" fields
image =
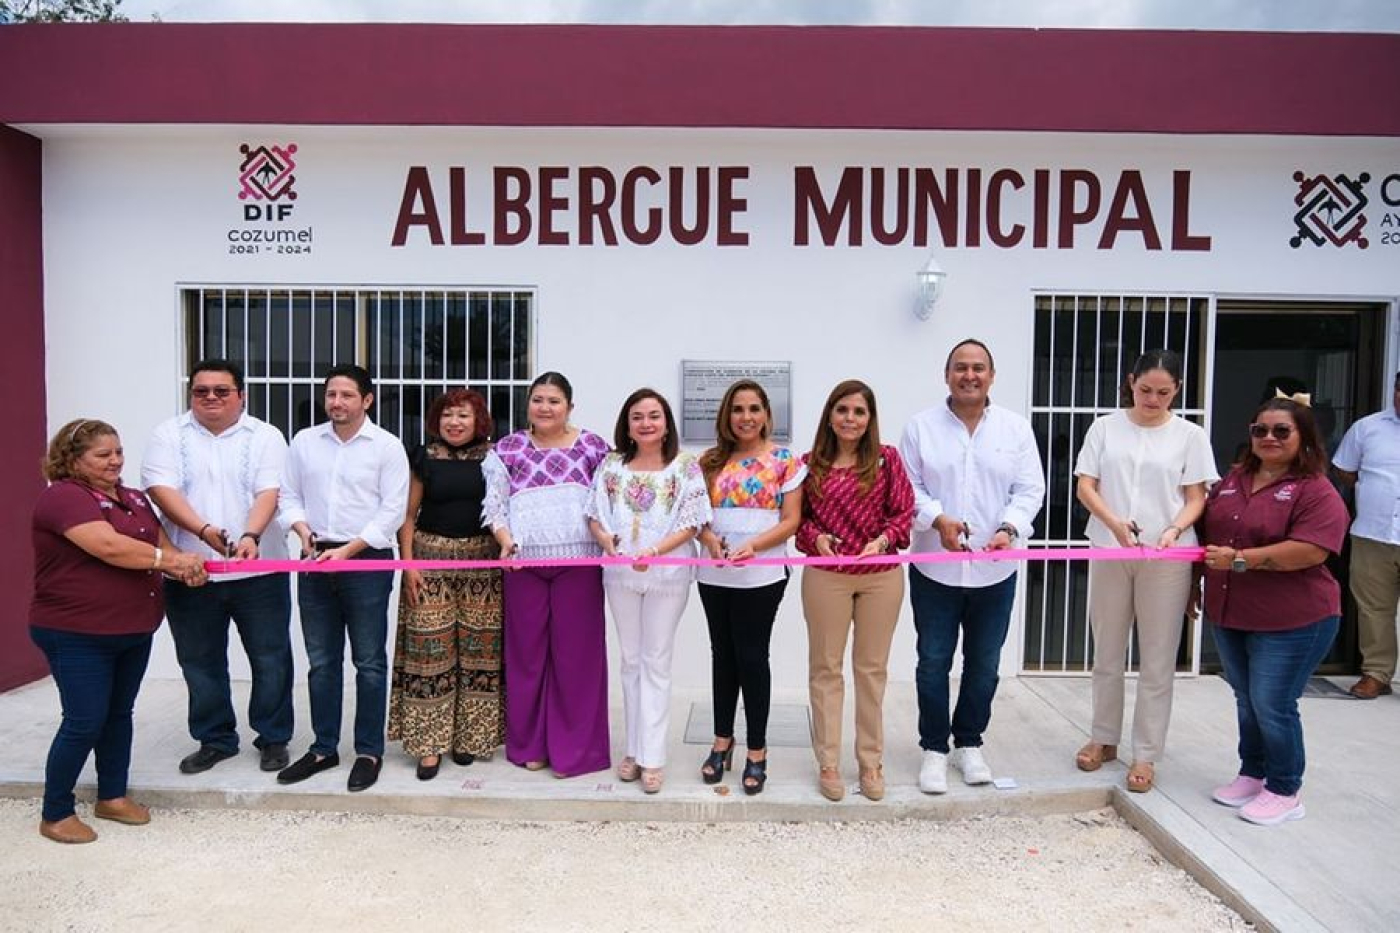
{"x": 217, "y": 870}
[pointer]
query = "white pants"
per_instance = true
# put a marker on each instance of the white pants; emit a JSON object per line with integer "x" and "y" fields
{"x": 646, "y": 636}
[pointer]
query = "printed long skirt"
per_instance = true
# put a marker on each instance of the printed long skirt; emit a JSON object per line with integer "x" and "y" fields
{"x": 448, "y": 692}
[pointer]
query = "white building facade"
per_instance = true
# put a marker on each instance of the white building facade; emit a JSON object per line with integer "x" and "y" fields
{"x": 480, "y": 255}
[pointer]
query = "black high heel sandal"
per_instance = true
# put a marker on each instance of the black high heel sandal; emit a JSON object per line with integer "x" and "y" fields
{"x": 756, "y": 771}
{"x": 716, "y": 763}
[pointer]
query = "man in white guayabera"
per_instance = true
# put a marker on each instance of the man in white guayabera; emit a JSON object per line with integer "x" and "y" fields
{"x": 1370, "y": 458}
{"x": 214, "y": 471}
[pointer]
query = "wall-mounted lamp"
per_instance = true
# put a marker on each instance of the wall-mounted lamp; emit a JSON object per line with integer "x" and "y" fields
{"x": 930, "y": 277}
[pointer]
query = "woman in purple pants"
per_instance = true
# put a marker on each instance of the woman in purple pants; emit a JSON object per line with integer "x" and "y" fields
{"x": 556, "y": 664}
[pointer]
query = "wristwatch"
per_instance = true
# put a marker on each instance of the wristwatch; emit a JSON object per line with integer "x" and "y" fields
{"x": 1238, "y": 564}
{"x": 1009, "y": 530}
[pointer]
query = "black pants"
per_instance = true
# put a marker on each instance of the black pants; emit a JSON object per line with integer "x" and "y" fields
{"x": 741, "y": 626}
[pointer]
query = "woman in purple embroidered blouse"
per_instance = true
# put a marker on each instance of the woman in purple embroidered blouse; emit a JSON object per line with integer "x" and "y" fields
{"x": 538, "y": 484}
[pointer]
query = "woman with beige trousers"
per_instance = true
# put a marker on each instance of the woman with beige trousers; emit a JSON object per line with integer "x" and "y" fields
{"x": 1142, "y": 474}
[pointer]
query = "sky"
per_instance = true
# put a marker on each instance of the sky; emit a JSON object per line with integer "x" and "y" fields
{"x": 1265, "y": 15}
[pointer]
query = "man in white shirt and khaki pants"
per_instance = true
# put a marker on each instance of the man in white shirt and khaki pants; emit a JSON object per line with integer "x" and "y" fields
{"x": 344, "y": 494}
{"x": 1369, "y": 458}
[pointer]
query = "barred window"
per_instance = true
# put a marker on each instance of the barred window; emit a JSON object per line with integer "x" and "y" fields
{"x": 415, "y": 342}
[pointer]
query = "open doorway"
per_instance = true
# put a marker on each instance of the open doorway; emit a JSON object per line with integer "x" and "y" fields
{"x": 1335, "y": 351}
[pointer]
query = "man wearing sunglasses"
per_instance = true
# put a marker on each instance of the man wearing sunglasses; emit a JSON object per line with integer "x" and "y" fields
{"x": 1369, "y": 458}
{"x": 214, "y": 471}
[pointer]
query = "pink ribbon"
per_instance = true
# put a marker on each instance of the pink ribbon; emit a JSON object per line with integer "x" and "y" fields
{"x": 1186, "y": 554}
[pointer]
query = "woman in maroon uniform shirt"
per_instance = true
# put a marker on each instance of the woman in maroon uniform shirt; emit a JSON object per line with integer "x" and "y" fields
{"x": 98, "y": 554}
{"x": 1268, "y": 528}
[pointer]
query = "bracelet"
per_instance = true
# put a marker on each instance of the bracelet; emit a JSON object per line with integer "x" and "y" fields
{"x": 257, "y": 539}
{"x": 155, "y": 565}
{"x": 200, "y": 536}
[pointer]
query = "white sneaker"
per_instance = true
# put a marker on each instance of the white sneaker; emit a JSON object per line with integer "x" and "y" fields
{"x": 933, "y": 773}
{"x": 973, "y": 766}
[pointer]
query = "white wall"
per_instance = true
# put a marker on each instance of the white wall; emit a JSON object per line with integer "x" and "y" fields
{"x": 131, "y": 213}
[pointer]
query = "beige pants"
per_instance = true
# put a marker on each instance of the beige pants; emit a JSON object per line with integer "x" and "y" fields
{"x": 1375, "y": 582}
{"x": 1153, "y": 594}
{"x": 832, "y": 602}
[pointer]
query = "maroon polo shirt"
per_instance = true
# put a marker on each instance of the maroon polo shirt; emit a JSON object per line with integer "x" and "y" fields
{"x": 1295, "y": 508}
{"x": 76, "y": 592}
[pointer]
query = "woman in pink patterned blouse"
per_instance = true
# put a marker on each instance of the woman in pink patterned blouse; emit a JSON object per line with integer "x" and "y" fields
{"x": 755, "y": 488}
{"x": 857, "y": 502}
{"x": 556, "y": 664}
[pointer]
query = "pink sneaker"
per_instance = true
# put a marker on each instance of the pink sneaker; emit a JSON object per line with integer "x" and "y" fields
{"x": 1270, "y": 809}
{"x": 1238, "y": 792}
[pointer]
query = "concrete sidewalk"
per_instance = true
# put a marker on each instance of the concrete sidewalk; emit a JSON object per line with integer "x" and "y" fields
{"x": 1329, "y": 871}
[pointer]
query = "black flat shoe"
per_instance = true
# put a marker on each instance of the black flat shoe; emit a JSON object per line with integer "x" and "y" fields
{"x": 273, "y": 757}
{"x": 206, "y": 757}
{"x": 716, "y": 763}
{"x": 463, "y": 758}
{"x": 363, "y": 773}
{"x": 428, "y": 772}
{"x": 757, "y": 773}
{"x": 306, "y": 766}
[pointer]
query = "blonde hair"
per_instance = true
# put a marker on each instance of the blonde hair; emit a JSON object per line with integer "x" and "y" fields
{"x": 70, "y": 443}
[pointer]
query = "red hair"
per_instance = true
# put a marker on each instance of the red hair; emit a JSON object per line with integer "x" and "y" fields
{"x": 460, "y": 398}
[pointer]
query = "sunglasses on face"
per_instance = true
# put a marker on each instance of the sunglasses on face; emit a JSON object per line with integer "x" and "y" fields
{"x": 216, "y": 391}
{"x": 1281, "y": 432}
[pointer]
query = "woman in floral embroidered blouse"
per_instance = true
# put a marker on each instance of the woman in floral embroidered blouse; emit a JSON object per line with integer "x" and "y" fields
{"x": 756, "y": 490}
{"x": 537, "y": 488}
{"x": 857, "y": 502}
{"x": 648, "y": 500}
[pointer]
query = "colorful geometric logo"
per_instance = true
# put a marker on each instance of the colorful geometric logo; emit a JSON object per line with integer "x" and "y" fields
{"x": 266, "y": 172}
{"x": 1329, "y": 210}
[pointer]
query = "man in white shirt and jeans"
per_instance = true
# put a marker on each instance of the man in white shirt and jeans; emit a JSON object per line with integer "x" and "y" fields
{"x": 344, "y": 494}
{"x": 214, "y": 472}
{"x": 1370, "y": 458}
{"x": 978, "y": 484}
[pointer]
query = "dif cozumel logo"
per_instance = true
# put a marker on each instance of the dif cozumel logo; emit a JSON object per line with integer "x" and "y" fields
{"x": 266, "y": 189}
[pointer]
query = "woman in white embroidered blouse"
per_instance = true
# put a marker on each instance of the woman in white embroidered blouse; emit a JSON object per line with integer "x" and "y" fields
{"x": 648, "y": 500}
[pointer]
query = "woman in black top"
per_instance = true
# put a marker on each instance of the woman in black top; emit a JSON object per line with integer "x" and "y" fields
{"x": 447, "y": 688}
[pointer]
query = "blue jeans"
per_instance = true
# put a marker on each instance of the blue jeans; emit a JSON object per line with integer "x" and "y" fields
{"x": 98, "y": 677}
{"x": 983, "y": 615}
{"x": 261, "y": 608}
{"x": 1268, "y": 671}
{"x": 334, "y": 605}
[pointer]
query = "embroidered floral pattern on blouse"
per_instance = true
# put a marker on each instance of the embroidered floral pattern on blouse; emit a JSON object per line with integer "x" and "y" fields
{"x": 647, "y": 506}
{"x": 755, "y": 482}
{"x": 640, "y": 496}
